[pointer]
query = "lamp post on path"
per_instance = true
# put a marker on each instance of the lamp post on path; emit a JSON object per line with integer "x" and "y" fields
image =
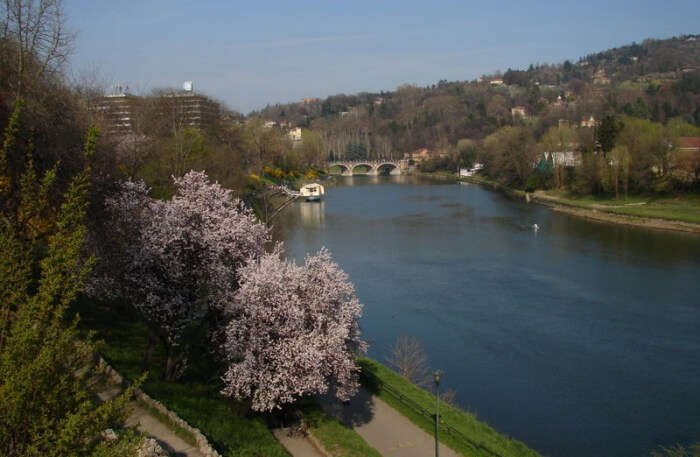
{"x": 436, "y": 377}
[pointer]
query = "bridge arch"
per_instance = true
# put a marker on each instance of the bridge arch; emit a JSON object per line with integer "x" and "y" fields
{"x": 387, "y": 168}
{"x": 362, "y": 164}
{"x": 374, "y": 167}
{"x": 344, "y": 169}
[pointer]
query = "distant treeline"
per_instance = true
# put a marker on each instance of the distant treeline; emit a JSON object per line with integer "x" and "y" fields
{"x": 653, "y": 86}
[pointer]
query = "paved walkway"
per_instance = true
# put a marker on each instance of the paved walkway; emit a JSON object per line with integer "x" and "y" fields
{"x": 296, "y": 444}
{"x": 384, "y": 428}
{"x": 147, "y": 424}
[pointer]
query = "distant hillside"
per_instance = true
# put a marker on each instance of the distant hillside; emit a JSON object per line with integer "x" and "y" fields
{"x": 656, "y": 80}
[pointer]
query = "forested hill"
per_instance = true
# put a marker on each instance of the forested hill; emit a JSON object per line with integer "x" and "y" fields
{"x": 655, "y": 80}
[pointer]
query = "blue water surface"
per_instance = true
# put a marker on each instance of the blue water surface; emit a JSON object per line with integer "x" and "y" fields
{"x": 580, "y": 339}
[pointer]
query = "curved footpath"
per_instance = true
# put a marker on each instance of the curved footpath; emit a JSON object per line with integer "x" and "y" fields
{"x": 297, "y": 445}
{"x": 147, "y": 424}
{"x": 384, "y": 428}
{"x": 150, "y": 426}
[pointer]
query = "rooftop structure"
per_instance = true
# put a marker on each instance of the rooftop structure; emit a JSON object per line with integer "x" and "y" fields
{"x": 689, "y": 143}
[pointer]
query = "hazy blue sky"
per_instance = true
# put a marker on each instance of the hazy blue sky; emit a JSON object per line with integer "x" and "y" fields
{"x": 249, "y": 54}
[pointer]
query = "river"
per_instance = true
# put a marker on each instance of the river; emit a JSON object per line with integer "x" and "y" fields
{"x": 580, "y": 339}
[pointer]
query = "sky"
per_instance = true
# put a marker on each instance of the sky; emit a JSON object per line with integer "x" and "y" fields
{"x": 250, "y": 54}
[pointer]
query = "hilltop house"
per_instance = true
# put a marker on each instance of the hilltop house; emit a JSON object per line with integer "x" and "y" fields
{"x": 689, "y": 144}
{"x": 518, "y": 111}
{"x": 419, "y": 155}
{"x": 588, "y": 123}
{"x": 600, "y": 77}
{"x": 295, "y": 134}
{"x": 422, "y": 154}
{"x": 570, "y": 158}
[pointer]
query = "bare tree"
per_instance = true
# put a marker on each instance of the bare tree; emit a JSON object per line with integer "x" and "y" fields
{"x": 408, "y": 358}
{"x": 450, "y": 397}
{"x": 42, "y": 43}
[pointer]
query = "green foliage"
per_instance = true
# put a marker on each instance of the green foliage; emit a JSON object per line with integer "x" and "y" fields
{"x": 607, "y": 132}
{"x": 127, "y": 444}
{"x": 9, "y": 150}
{"x": 538, "y": 180}
{"x": 355, "y": 151}
{"x": 509, "y": 155}
{"x": 678, "y": 127}
{"x": 648, "y": 148}
{"x": 678, "y": 451}
{"x": 639, "y": 109}
{"x": 467, "y": 151}
{"x": 185, "y": 150}
{"x": 45, "y": 369}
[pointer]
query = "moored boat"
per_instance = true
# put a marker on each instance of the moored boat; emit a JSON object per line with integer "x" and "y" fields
{"x": 312, "y": 192}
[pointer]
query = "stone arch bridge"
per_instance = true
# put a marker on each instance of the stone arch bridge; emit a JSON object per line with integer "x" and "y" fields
{"x": 376, "y": 167}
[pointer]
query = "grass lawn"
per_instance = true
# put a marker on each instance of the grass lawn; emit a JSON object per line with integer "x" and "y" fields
{"x": 336, "y": 438}
{"x": 684, "y": 208}
{"x": 473, "y": 437}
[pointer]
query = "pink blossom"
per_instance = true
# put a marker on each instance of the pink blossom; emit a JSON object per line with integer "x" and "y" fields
{"x": 294, "y": 330}
{"x": 182, "y": 256}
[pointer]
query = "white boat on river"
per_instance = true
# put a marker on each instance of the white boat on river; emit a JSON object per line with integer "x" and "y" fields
{"x": 312, "y": 192}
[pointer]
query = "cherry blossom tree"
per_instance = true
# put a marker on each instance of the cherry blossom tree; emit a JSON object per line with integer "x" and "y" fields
{"x": 293, "y": 331}
{"x": 182, "y": 257}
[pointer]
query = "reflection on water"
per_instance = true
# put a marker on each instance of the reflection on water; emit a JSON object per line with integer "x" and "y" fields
{"x": 580, "y": 339}
{"x": 311, "y": 214}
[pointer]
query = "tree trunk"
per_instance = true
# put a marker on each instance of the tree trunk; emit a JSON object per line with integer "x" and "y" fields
{"x": 148, "y": 355}
{"x": 170, "y": 366}
{"x": 241, "y": 408}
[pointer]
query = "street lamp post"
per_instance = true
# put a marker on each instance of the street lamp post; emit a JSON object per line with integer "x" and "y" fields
{"x": 436, "y": 377}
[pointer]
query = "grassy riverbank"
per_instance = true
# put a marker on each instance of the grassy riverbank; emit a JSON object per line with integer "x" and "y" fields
{"x": 679, "y": 212}
{"x": 460, "y": 430}
{"x": 683, "y": 208}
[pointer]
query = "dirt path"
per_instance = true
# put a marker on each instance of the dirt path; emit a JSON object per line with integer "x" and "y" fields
{"x": 384, "y": 428}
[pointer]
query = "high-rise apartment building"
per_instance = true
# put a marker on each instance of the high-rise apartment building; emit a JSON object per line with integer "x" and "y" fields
{"x": 118, "y": 112}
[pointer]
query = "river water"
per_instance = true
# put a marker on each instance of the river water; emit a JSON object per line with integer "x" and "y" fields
{"x": 580, "y": 339}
